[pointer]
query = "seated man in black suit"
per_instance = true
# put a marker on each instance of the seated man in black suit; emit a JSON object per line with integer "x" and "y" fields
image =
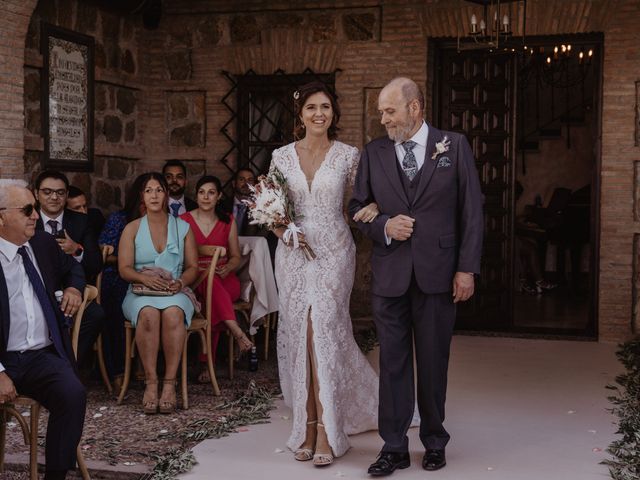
{"x": 77, "y": 202}
{"x": 36, "y": 358}
{"x": 77, "y": 239}
{"x": 175, "y": 173}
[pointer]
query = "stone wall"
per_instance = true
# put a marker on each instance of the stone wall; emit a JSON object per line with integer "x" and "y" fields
{"x": 369, "y": 41}
{"x": 117, "y": 97}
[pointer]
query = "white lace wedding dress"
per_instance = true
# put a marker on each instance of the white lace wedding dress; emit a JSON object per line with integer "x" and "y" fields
{"x": 348, "y": 383}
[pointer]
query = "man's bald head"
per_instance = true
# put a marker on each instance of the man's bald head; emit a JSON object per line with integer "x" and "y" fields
{"x": 409, "y": 89}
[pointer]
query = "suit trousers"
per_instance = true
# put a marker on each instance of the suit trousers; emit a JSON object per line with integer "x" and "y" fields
{"x": 425, "y": 321}
{"x": 51, "y": 380}
{"x": 93, "y": 322}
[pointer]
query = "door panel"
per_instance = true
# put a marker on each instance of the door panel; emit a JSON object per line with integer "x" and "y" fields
{"x": 476, "y": 93}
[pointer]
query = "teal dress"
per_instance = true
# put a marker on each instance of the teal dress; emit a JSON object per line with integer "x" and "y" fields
{"x": 171, "y": 259}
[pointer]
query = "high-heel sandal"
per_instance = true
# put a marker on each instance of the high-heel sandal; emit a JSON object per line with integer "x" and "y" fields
{"x": 150, "y": 407}
{"x": 304, "y": 454}
{"x": 322, "y": 459}
{"x": 169, "y": 406}
{"x": 244, "y": 344}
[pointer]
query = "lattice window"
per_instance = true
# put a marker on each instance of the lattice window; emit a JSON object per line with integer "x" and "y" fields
{"x": 262, "y": 115}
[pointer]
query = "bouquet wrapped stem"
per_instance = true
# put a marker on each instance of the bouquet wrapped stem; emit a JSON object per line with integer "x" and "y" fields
{"x": 271, "y": 207}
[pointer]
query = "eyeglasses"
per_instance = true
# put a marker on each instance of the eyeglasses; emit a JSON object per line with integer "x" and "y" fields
{"x": 61, "y": 192}
{"x": 27, "y": 210}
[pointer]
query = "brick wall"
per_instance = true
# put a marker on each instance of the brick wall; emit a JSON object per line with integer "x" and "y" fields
{"x": 217, "y": 41}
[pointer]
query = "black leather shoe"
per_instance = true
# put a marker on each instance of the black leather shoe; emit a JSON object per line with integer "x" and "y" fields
{"x": 433, "y": 460}
{"x": 388, "y": 462}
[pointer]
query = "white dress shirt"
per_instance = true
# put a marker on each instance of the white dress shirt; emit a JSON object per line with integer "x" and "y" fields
{"x": 420, "y": 151}
{"x": 28, "y": 328}
{"x": 180, "y": 201}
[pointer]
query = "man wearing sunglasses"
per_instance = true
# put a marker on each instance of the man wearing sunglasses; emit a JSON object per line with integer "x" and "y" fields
{"x": 77, "y": 239}
{"x": 36, "y": 357}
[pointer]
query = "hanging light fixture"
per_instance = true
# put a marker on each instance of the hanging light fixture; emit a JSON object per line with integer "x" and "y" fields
{"x": 492, "y": 29}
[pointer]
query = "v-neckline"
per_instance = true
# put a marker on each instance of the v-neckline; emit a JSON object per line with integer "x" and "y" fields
{"x": 166, "y": 243}
{"x": 206, "y": 237}
{"x": 324, "y": 160}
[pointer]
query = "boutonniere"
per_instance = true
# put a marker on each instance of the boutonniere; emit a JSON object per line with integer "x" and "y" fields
{"x": 441, "y": 147}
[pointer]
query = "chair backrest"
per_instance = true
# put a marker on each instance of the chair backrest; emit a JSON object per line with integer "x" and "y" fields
{"x": 209, "y": 272}
{"x": 90, "y": 294}
{"x": 106, "y": 251}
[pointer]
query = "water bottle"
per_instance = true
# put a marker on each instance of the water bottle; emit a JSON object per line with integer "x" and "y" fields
{"x": 67, "y": 319}
{"x": 253, "y": 360}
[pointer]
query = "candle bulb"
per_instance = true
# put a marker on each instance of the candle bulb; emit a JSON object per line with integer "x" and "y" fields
{"x": 474, "y": 23}
{"x": 505, "y": 23}
{"x": 483, "y": 26}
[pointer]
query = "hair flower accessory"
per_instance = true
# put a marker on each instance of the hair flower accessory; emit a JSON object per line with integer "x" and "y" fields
{"x": 296, "y": 95}
{"x": 441, "y": 147}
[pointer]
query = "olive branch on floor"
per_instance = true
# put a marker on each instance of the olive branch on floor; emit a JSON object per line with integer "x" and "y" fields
{"x": 251, "y": 408}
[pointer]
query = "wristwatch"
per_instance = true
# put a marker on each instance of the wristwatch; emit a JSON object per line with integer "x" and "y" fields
{"x": 78, "y": 251}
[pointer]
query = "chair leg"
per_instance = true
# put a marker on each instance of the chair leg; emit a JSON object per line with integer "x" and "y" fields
{"x": 101, "y": 365}
{"x": 206, "y": 346}
{"x": 183, "y": 380}
{"x": 231, "y": 356}
{"x": 82, "y": 465}
{"x": 3, "y": 435}
{"x": 33, "y": 442}
{"x": 128, "y": 356}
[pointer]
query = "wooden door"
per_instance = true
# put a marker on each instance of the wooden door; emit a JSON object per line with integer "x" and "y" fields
{"x": 474, "y": 94}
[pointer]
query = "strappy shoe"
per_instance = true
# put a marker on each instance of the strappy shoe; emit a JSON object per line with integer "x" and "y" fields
{"x": 169, "y": 406}
{"x": 322, "y": 459}
{"x": 244, "y": 344}
{"x": 150, "y": 406}
{"x": 304, "y": 454}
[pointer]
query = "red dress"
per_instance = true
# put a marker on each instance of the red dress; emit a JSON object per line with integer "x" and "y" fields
{"x": 225, "y": 290}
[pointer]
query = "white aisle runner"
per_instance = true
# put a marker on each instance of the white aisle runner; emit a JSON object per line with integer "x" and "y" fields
{"x": 517, "y": 410}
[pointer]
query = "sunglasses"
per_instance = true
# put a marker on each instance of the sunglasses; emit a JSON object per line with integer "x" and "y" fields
{"x": 27, "y": 210}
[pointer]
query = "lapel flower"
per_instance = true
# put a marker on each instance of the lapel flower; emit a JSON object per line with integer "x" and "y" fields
{"x": 441, "y": 147}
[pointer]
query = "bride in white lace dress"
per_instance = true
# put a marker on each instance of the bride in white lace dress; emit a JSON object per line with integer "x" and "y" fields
{"x": 325, "y": 378}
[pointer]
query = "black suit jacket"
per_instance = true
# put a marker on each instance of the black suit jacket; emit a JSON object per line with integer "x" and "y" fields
{"x": 79, "y": 229}
{"x": 190, "y": 204}
{"x": 59, "y": 271}
{"x": 447, "y": 207}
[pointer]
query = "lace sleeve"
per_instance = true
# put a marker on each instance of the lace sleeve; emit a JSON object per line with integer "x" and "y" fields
{"x": 275, "y": 161}
{"x": 354, "y": 161}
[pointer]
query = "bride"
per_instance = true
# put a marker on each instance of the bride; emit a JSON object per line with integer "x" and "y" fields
{"x": 325, "y": 378}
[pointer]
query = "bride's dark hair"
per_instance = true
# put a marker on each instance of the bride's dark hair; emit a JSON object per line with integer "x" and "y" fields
{"x": 300, "y": 97}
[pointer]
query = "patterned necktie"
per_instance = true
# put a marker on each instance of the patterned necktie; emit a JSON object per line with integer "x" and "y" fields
{"x": 175, "y": 208}
{"x": 43, "y": 298}
{"x": 409, "y": 163}
{"x": 53, "y": 224}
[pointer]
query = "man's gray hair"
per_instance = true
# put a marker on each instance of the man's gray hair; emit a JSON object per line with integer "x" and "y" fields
{"x": 5, "y": 187}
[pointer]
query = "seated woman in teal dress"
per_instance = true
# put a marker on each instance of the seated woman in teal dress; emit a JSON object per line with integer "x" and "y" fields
{"x": 152, "y": 242}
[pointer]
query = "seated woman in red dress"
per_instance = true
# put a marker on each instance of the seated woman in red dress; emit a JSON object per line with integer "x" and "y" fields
{"x": 211, "y": 225}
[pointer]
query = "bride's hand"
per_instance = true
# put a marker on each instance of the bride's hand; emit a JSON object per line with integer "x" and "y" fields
{"x": 367, "y": 214}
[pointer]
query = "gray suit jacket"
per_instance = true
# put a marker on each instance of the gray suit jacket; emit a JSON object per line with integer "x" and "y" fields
{"x": 447, "y": 206}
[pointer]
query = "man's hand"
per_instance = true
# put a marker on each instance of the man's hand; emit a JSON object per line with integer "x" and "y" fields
{"x": 7, "y": 389}
{"x": 67, "y": 245}
{"x": 463, "y": 286}
{"x": 400, "y": 227}
{"x": 71, "y": 300}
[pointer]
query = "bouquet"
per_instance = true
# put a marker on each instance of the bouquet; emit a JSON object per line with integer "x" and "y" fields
{"x": 270, "y": 207}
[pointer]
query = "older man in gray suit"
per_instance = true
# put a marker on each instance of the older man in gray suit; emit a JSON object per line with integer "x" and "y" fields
{"x": 427, "y": 242}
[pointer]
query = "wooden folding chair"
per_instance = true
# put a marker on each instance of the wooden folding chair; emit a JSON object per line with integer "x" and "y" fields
{"x": 106, "y": 251}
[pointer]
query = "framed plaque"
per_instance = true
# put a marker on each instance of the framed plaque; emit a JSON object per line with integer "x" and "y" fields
{"x": 67, "y": 102}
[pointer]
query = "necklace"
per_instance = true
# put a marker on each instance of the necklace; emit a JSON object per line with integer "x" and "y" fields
{"x": 203, "y": 223}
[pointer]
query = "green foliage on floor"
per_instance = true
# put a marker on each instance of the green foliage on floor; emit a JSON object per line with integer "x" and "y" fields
{"x": 625, "y": 464}
{"x": 250, "y": 408}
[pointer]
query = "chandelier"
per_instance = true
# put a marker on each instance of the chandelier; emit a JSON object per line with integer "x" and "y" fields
{"x": 492, "y": 30}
